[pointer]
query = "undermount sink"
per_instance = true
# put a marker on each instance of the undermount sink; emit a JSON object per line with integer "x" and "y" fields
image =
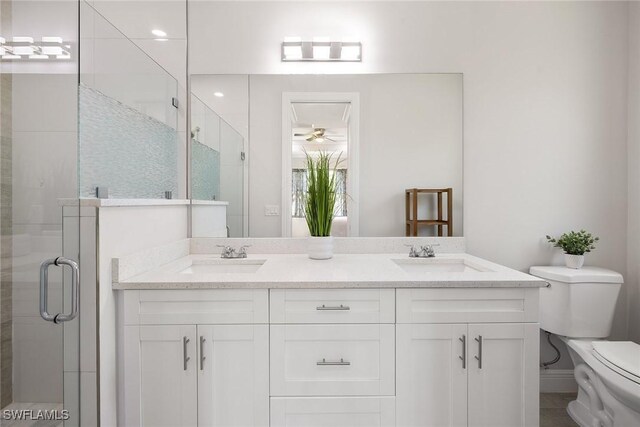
{"x": 222, "y": 266}
{"x": 437, "y": 265}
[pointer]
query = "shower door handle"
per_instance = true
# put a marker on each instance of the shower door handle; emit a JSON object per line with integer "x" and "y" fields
{"x": 44, "y": 290}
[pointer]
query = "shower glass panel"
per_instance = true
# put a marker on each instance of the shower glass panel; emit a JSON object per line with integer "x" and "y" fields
{"x": 205, "y": 152}
{"x": 217, "y": 166}
{"x": 128, "y": 105}
{"x": 39, "y": 213}
{"x": 232, "y": 177}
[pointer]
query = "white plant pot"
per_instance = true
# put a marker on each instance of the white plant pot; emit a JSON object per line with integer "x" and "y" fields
{"x": 321, "y": 247}
{"x": 573, "y": 261}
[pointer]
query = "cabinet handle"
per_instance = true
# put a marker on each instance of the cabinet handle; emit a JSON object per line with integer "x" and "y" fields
{"x": 464, "y": 351}
{"x": 340, "y": 307}
{"x": 185, "y": 358}
{"x": 340, "y": 362}
{"x": 479, "y": 356}
{"x": 202, "y": 340}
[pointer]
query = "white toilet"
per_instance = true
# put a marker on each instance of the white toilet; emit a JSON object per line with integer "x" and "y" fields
{"x": 578, "y": 306}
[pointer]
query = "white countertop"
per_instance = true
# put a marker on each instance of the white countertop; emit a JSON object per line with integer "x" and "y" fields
{"x": 342, "y": 271}
{"x": 99, "y": 203}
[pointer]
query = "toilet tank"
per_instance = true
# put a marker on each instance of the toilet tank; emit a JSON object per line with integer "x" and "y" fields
{"x": 579, "y": 303}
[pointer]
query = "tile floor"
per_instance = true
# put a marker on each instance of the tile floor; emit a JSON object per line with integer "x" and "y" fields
{"x": 553, "y": 410}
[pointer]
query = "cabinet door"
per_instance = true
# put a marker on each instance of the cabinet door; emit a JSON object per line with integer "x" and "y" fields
{"x": 503, "y": 375}
{"x": 431, "y": 383}
{"x": 160, "y": 376}
{"x": 233, "y": 375}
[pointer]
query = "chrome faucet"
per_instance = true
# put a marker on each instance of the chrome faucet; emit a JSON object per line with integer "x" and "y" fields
{"x": 425, "y": 251}
{"x": 230, "y": 252}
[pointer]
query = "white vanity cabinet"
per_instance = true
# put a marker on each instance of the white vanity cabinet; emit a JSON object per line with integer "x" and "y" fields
{"x": 467, "y": 374}
{"x": 427, "y": 357}
{"x": 195, "y": 374}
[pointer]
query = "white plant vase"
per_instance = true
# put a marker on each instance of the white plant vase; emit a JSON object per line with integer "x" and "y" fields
{"x": 573, "y": 261}
{"x": 321, "y": 247}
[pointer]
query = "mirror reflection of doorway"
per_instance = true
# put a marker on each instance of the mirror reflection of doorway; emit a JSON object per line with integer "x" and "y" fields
{"x": 320, "y": 127}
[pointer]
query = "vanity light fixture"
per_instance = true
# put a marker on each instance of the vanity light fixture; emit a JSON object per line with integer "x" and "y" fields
{"x": 321, "y": 49}
{"x": 23, "y": 47}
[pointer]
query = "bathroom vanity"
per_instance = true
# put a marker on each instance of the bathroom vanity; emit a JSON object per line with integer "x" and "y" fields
{"x": 361, "y": 339}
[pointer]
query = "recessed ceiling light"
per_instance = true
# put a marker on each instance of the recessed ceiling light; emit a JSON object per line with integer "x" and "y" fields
{"x": 158, "y": 33}
{"x": 218, "y": 94}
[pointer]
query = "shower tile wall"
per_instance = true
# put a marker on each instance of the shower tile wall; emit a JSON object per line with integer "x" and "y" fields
{"x": 205, "y": 172}
{"x": 115, "y": 140}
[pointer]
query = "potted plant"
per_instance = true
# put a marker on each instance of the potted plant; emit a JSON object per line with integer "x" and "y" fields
{"x": 575, "y": 245}
{"x": 320, "y": 204}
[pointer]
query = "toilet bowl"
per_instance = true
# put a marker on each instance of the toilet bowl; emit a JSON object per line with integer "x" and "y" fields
{"x": 608, "y": 394}
{"x": 578, "y": 306}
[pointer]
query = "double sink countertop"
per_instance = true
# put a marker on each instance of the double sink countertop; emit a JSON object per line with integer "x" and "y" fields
{"x": 264, "y": 271}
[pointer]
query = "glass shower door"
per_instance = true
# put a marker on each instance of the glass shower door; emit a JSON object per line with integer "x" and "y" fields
{"x": 40, "y": 310}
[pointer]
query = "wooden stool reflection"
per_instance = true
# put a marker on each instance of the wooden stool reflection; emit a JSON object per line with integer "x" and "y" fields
{"x": 411, "y": 204}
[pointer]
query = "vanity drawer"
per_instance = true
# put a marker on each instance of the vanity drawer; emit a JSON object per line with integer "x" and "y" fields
{"x": 333, "y": 411}
{"x": 332, "y": 360}
{"x": 332, "y": 305}
{"x": 465, "y": 305}
{"x": 196, "y": 306}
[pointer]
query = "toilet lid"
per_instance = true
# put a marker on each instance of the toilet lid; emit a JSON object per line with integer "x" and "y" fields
{"x": 623, "y": 355}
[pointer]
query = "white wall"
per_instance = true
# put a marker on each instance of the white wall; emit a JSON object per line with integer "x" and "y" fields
{"x": 545, "y": 127}
{"x": 633, "y": 256}
{"x": 410, "y": 136}
{"x": 122, "y": 231}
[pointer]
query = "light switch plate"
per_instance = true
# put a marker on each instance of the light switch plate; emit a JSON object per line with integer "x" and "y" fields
{"x": 271, "y": 210}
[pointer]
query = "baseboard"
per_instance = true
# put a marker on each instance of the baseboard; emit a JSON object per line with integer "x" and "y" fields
{"x": 557, "y": 381}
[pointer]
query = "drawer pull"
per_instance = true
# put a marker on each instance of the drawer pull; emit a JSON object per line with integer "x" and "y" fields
{"x": 339, "y": 308}
{"x": 340, "y": 362}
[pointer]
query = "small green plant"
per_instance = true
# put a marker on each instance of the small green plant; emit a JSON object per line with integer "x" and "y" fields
{"x": 321, "y": 194}
{"x": 575, "y": 242}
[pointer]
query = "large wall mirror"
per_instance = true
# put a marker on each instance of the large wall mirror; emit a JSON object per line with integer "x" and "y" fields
{"x": 389, "y": 133}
